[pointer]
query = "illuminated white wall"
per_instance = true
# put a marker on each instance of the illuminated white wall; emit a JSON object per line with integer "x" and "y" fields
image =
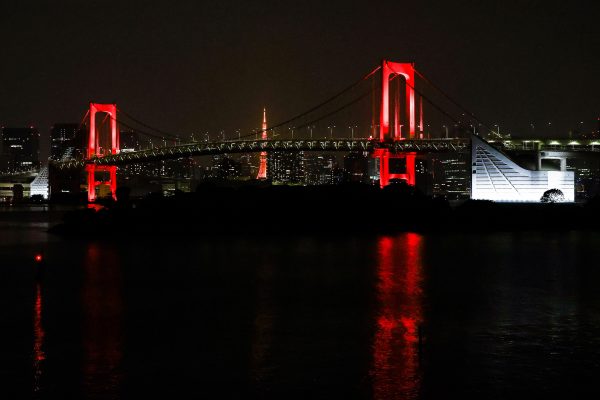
{"x": 496, "y": 177}
{"x": 40, "y": 184}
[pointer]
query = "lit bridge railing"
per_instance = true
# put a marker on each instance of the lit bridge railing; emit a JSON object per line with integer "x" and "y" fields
{"x": 252, "y": 146}
{"x": 578, "y": 145}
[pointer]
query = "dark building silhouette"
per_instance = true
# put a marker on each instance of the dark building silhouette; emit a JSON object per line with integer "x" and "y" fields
{"x": 322, "y": 169}
{"x": 20, "y": 148}
{"x": 356, "y": 167}
{"x": 450, "y": 175}
{"x": 247, "y": 169}
{"x": 129, "y": 141}
{"x": 224, "y": 167}
{"x": 67, "y": 139}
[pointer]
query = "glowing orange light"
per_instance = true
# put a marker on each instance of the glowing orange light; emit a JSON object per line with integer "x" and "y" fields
{"x": 262, "y": 170}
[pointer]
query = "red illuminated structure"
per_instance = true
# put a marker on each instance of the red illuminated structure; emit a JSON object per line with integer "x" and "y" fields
{"x": 262, "y": 169}
{"x": 388, "y": 71}
{"x": 95, "y": 150}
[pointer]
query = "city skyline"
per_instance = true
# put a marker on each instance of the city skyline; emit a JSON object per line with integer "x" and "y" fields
{"x": 292, "y": 200}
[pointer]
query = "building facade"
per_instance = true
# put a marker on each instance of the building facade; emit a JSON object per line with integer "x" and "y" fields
{"x": 21, "y": 149}
{"x": 494, "y": 176}
{"x": 67, "y": 138}
{"x": 286, "y": 167}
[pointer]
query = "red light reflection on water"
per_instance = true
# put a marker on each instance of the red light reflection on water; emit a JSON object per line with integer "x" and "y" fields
{"x": 262, "y": 335}
{"x": 38, "y": 339}
{"x": 102, "y": 325}
{"x": 395, "y": 368}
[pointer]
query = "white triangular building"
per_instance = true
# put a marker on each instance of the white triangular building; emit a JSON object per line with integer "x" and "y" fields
{"x": 496, "y": 177}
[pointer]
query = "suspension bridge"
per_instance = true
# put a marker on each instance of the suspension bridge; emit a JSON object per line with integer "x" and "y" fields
{"x": 388, "y": 106}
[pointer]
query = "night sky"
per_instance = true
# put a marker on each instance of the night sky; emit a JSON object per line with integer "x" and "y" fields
{"x": 210, "y": 65}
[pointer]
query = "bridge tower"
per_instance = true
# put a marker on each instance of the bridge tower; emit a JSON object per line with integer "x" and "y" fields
{"x": 262, "y": 169}
{"x": 95, "y": 150}
{"x": 389, "y": 171}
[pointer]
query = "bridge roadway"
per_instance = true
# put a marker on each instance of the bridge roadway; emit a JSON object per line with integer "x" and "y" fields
{"x": 253, "y": 146}
{"x": 517, "y": 144}
{"x": 343, "y": 145}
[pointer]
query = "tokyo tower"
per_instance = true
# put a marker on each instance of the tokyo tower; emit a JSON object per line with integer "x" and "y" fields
{"x": 262, "y": 170}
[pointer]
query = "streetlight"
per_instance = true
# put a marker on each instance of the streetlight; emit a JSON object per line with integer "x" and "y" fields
{"x": 446, "y": 128}
{"x": 331, "y": 130}
{"x": 207, "y": 136}
{"x": 351, "y": 127}
{"x": 532, "y": 128}
{"x": 498, "y": 126}
{"x": 310, "y": 129}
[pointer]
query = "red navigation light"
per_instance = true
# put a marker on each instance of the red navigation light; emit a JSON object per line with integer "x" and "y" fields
{"x": 38, "y": 258}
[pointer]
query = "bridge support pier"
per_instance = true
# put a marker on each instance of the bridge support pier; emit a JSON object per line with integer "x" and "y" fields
{"x": 92, "y": 183}
{"x": 395, "y": 171}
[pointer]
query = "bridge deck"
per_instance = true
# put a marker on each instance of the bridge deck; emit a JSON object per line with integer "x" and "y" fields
{"x": 253, "y": 146}
{"x": 344, "y": 145}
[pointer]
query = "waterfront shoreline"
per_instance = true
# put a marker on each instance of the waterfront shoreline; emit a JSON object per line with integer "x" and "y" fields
{"x": 345, "y": 210}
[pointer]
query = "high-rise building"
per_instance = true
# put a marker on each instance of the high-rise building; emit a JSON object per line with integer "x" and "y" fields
{"x": 322, "y": 169}
{"x": 587, "y": 176}
{"x": 356, "y": 167}
{"x": 21, "y": 149}
{"x": 247, "y": 169}
{"x": 68, "y": 140}
{"x": 450, "y": 175}
{"x": 224, "y": 167}
{"x": 60, "y": 138}
{"x": 285, "y": 167}
{"x": 129, "y": 141}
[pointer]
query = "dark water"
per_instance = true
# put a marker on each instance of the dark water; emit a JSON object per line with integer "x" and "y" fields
{"x": 487, "y": 316}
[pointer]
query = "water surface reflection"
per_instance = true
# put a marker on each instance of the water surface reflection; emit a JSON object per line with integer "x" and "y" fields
{"x": 505, "y": 316}
{"x": 395, "y": 370}
{"x": 102, "y": 321}
{"x": 38, "y": 339}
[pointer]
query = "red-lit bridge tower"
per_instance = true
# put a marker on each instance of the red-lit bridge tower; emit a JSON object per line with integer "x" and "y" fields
{"x": 388, "y": 71}
{"x": 262, "y": 169}
{"x": 95, "y": 150}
